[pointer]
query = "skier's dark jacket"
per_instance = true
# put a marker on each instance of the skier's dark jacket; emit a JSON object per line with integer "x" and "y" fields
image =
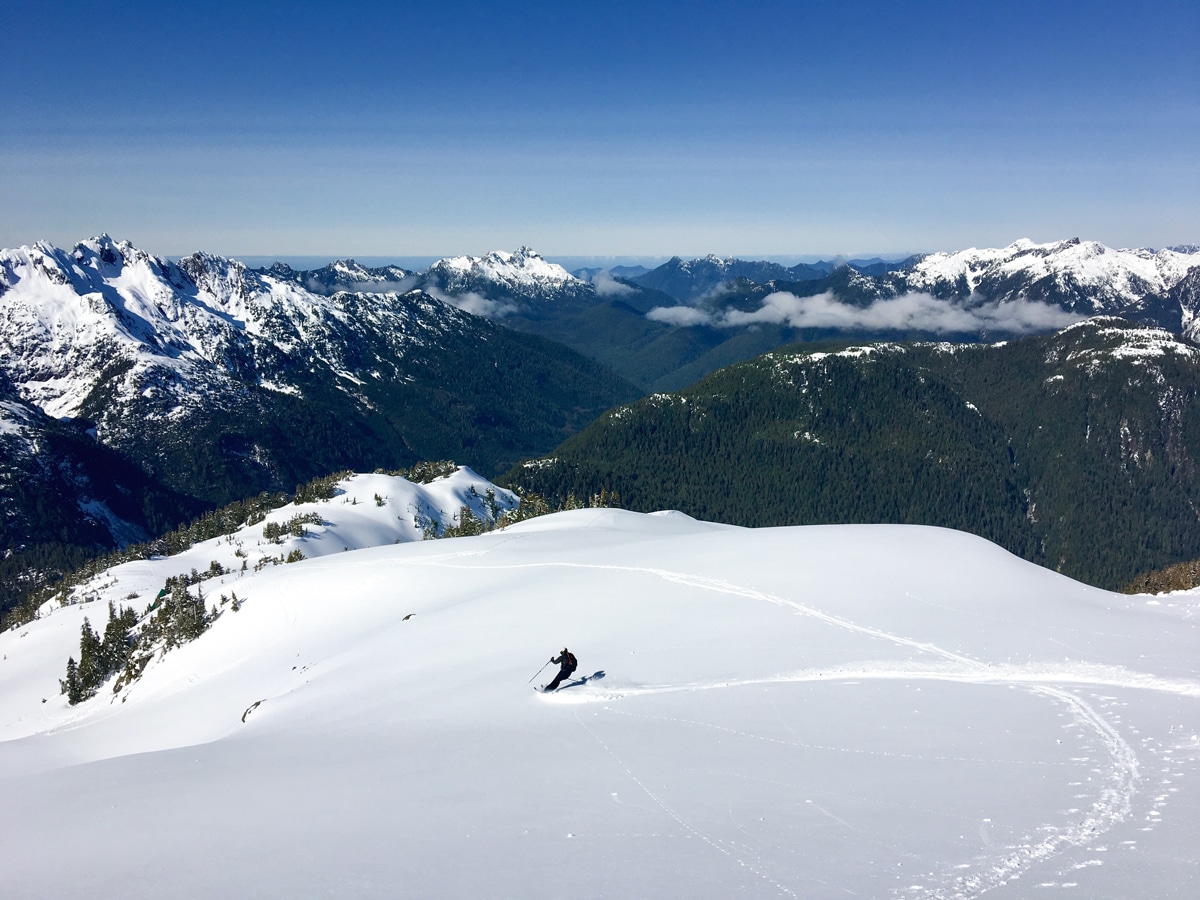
{"x": 567, "y": 660}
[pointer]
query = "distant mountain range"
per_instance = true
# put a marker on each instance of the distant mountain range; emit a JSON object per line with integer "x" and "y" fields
{"x": 1080, "y": 276}
{"x": 691, "y": 280}
{"x": 1079, "y": 450}
{"x": 138, "y": 391}
{"x": 728, "y": 310}
{"x": 522, "y": 274}
{"x": 665, "y": 328}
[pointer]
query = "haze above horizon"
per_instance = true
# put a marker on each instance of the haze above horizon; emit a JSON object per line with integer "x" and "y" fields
{"x": 629, "y": 130}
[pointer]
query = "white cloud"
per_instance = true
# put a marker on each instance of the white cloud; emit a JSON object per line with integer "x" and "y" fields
{"x": 908, "y": 312}
{"x": 607, "y": 286}
{"x": 680, "y": 315}
{"x": 476, "y": 304}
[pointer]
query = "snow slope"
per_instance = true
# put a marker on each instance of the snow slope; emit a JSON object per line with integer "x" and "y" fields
{"x": 366, "y": 511}
{"x": 876, "y": 711}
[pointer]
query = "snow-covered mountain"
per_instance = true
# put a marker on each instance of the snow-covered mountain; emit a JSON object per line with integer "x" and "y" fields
{"x": 152, "y": 353}
{"x": 503, "y": 280}
{"x": 885, "y": 711}
{"x": 723, "y": 311}
{"x": 521, "y": 270}
{"x": 501, "y": 284}
{"x": 1081, "y": 276}
{"x": 198, "y": 331}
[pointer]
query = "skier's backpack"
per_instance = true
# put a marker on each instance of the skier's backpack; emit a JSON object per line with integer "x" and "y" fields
{"x": 570, "y": 661}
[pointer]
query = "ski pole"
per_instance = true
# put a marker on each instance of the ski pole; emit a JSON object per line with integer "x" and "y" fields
{"x": 539, "y": 671}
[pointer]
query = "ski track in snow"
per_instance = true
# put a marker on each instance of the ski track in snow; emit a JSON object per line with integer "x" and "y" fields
{"x": 1113, "y": 804}
{"x": 662, "y": 804}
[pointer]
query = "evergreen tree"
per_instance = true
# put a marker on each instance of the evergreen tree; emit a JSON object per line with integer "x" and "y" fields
{"x": 71, "y": 685}
{"x": 118, "y": 642}
{"x": 91, "y": 659}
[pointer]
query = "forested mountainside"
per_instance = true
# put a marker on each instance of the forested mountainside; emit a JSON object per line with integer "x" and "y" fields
{"x": 63, "y": 495}
{"x": 1076, "y": 450}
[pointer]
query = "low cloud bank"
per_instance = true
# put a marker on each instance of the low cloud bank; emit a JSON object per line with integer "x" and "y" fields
{"x": 474, "y": 303}
{"x": 908, "y": 312}
{"x": 608, "y": 286}
{"x": 681, "y": 315}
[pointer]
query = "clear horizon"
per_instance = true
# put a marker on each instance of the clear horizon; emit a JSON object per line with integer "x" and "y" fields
{"x": 647, "y": 129}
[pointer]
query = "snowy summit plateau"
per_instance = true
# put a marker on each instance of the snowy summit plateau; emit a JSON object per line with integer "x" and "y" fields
{"x": 881, "y": 711}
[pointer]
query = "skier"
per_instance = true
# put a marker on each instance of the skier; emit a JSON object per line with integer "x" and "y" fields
{"x": 567, "y": 663}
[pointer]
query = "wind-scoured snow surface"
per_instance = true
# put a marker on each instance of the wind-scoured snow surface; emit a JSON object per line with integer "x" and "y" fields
{"x": 870, "y": 711}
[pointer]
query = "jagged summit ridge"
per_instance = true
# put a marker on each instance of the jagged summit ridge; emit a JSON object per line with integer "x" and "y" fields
{"x": 520, "y": 270}
{"x": 69, "y": 316}
{"x": 346, "y": 275}
{"x": 522, "y": 274}
{"x": 1061, "y": 268}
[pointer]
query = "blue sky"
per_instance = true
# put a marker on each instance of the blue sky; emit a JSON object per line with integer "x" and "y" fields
{"x": 619, "y": 129}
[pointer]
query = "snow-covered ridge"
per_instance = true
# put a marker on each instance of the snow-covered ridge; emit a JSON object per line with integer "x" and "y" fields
{"x": 347, "y": 275}
{"x": 1115, "y": 338}
{"x": 367, "y": 510}
{"x": 860, "y": 352}
{"x": 353, "y": 271}
{"x": 708, "y": 260}
{"x": 67, "y": 317}
{"x": 70, "y": 320}
{"x": 1019, "y": 289}
{"x": 1108, "y": 275}
{"x": 522, "y": 268}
